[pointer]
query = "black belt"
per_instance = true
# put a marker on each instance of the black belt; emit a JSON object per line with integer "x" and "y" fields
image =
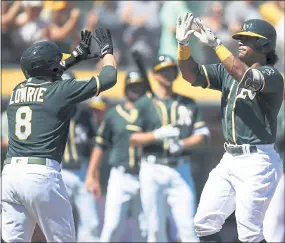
{"x": 30, "y": 160}
{"x": 168, "y": 161}
{"x": 240, "y": 149}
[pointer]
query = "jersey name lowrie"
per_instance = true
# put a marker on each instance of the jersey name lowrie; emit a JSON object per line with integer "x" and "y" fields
{"x": 27, "y": 94}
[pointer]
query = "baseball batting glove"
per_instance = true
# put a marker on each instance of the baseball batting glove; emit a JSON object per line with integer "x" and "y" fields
{"x": 175, "y": 147}
{"x": 81, "y": 52}
{"x": 104, "y": 40}
{"x": 184, "y": 29}
{"x": 206, "y": 36}
{"x": 166, "y": 132}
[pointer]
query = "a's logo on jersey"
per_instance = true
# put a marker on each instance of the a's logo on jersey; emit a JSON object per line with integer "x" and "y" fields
{"x": 268, "y": 70}
{"x": 246, "y": 93}
{"x": 184, "y": 116}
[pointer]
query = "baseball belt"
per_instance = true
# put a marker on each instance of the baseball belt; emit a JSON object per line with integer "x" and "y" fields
{"x": 26, "y": 160}
{"x": 168, "y": 161}
{"x": 240, "y": 149}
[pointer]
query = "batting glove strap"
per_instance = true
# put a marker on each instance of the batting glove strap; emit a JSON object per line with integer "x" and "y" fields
{"x": 106, "y": 50}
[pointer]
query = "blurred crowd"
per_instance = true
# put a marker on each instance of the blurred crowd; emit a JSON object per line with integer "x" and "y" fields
{"x": 148, "y": 26}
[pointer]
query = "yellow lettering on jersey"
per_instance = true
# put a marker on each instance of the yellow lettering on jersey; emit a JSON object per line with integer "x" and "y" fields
{"x": 30, "y": 93}
{"x": 40, "y": 94}
{"x": 11, "y": 99}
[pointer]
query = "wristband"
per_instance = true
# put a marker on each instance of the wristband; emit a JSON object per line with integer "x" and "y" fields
{"x": 183, "y": 52}
{"x": 223, "y": 52}
{"x": 69, "y": 62}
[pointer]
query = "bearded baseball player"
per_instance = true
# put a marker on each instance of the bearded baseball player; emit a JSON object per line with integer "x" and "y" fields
{"x": 39, "y": 114}
{"x": 123, "y": 192}
{"x": 247, "y": 176}
{"x": 165, "y": 175}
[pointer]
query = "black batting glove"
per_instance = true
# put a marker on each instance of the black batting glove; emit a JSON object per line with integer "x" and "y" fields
{"x": 82, "y": 50}
{"x": 104, "y": 40}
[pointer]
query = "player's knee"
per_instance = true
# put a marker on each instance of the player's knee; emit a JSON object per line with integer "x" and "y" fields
{"x": 207, "y": 225}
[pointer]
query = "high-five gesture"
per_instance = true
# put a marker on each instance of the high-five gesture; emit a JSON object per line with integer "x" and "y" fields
{"x": 82, "y": 50}
{"x": 184, "y": 29}
{"x": 206, "y": 36}
{"x": 104, "y": 40}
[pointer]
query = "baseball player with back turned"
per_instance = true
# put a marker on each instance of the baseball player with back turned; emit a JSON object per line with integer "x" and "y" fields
{"x": 247, "y": 175}
{"x": 166, "y": 182}
{"x": 39, "y": 114}
{"x": 123, "y": 192}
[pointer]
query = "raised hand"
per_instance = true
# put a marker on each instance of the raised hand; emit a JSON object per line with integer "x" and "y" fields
{"x": 104, "y": 39}
{"x": 184, "y": 29}
{"x": 82, "y": 51}
{"x": 206, "y": 36}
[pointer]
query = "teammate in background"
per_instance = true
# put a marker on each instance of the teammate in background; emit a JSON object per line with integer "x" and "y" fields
{"x": 166, "y": 170}
{"x": 123, "y": 191}
{"x": 274, "y": 225}
{"x": 39, "y": 113}
{"x": 80, "y": 142}
{"x": 247, "y": 176}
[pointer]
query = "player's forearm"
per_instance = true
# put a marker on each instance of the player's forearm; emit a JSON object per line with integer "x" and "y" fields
{"x": 235, "y": 67}
{"x": 194, "y": 141}
{"x": 109, "y": 60}
{"x": 95, "y": 163}
{"x": 108, "y": 76}
{"x": 142, "y": 138}
{"x": 187, "y": 64}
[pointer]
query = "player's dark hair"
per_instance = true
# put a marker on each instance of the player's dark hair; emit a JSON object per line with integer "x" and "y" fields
{"x": 272, "y": 58}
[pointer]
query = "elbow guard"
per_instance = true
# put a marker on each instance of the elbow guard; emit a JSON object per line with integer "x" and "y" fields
{"x": 107, "y": 77}
{"x": 253, "y": 80}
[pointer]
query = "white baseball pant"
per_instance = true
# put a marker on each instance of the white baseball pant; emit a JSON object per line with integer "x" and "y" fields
{"x": 35, "y": 194}
{"x": 244, "y": 183}
{"x": 273, "y": 225}
{"x": 164, "y": 188}
{"x": 122, "y": 201}
{"x": 87, "y": 220}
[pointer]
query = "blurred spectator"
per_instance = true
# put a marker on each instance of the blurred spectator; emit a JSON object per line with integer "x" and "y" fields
{"x": 272, "y": 11}
{"x": 8, "y": 12}
{"x": 27, "y": 27}
{"x": 105, "y": 14}
{"x": 142, "y": 30}
{"x": 168, "y": 15}
{"x": 63, "y": 19}
{"x": 236, "y": 13}
{"x": 214, "y": 19}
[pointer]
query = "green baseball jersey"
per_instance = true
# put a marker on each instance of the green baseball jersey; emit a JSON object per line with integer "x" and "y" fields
{"x": 81, "y": 137}
{"x": 247, "y": 117}
{"x": 114, "y": 133}
{"x": 179, "y": 111}
{"x": 39, "y": 113}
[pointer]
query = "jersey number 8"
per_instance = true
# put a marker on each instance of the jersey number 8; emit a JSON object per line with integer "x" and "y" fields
{"x": 23, "y": 127}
